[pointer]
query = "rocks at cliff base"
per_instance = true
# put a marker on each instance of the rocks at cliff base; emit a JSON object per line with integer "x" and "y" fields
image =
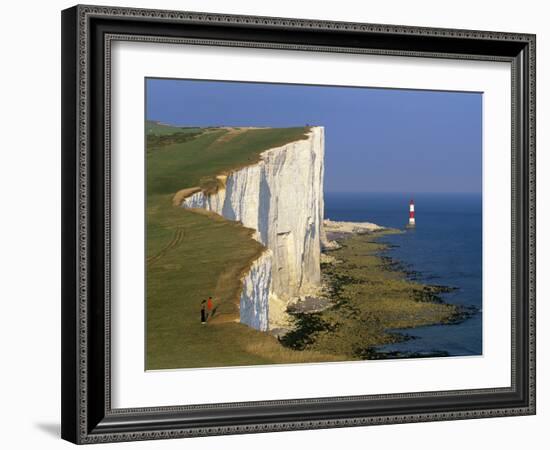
{"x": 309, "y": 305}
{"x": 350, "y": 227}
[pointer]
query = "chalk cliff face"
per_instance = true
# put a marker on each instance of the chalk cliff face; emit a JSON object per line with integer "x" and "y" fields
{"x": 254, "y": 302}
{"x": 281, "y": 197}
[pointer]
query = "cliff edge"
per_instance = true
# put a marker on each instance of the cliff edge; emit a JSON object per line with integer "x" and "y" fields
{"x": 281, "y": 198}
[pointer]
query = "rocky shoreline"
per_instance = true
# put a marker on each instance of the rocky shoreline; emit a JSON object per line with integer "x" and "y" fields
{"x": 365, "y": 295}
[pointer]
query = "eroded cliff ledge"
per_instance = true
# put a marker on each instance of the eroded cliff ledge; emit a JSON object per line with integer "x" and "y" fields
{"x": 281, "y": 197}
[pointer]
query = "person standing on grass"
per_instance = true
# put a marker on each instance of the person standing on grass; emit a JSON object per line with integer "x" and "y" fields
{"x": 210, "y": 306}
{"x": 203, "y": 312}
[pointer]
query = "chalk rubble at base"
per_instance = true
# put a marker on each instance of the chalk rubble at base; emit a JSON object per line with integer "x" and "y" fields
{"x": 350, "y": 227}
{"x": 331, "y": 226}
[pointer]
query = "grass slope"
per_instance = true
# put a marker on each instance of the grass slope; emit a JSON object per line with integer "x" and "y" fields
{"x": 192, "y": 255}
{"x": 212, "y": 152}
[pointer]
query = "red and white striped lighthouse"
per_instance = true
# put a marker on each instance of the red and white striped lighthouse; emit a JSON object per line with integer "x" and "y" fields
{"x": 412, "y": 223}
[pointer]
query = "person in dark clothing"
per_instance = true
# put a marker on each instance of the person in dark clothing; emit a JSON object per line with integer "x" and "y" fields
{"x": 203, "y": 312}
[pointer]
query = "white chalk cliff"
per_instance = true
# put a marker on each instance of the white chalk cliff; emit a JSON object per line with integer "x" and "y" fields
{"x": 255, "y": 296}
{"x": 281, "y": 197}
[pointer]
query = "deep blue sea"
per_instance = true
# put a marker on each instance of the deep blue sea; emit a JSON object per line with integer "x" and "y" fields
{"x": 445, "y": 249}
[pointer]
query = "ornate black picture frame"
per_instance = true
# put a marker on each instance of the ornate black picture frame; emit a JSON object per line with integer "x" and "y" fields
{"x": 87, "y": 34}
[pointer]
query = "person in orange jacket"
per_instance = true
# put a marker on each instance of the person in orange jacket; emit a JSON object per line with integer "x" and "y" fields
{"x": 210, "y": 306}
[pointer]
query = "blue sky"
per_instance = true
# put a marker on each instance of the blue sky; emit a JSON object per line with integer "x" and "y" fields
{"x": 377, "y": 140}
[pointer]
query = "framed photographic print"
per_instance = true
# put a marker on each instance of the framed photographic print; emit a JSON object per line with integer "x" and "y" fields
{"x": 280, "y": 224}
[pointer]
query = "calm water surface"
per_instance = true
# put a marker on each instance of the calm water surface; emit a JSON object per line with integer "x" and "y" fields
{"x": 445, "y": 248}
